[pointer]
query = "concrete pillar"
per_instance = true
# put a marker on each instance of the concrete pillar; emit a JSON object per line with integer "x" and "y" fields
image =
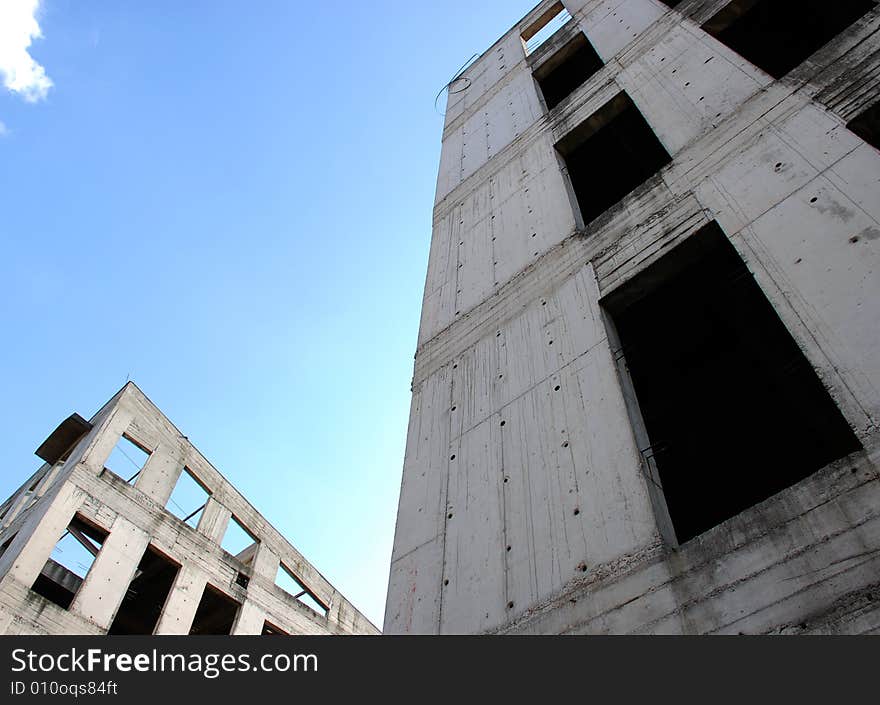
{"x": 250, "y": 619}
{"x": 265, "y": 563}
{"x": 182, "y": 602}
{"x": 33, "y": 544}
{"x": 23, "y": 498}
{"x": 336, "y": 609}
{"x": 49, "y": 478}
{"x": 27, "y": 497}
{"x": 214, "y": 520}
{"x": 107, "y": 581}
{"x": 17, "y": 505}
{"x": 5, "y": 621}
{"x": 159, "y": 475}
{"x": 104, "y": 438}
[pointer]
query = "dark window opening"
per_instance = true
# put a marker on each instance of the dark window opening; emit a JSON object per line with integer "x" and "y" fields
{"x": 71, "y": 559}
{"x": 271, "y": 629}
{"x": 734, "y": 411}
{"x": 242, "y": 580}
{"x": 143, "y": 602}
{"x": 867, "y": 125}
{"x": 610, "y": 154}
{"x": 777, "y": 35}
{"x": 671, "y": 3}
{"x": 7, "y": 543}
{"x": 215, "y": 614}
{"x": 570, "y": 67}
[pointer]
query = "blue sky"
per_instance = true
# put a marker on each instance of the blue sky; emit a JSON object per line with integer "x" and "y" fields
{"x": 230, "y": 204}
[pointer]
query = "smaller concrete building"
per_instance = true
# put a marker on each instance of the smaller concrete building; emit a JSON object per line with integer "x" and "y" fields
{"x": 102, "y": 540}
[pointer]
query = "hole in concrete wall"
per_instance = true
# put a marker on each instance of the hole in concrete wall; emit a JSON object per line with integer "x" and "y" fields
{"x": 215, "y": 614}
{"x": 143, "y": 602}
{"x": 30, "y": 498}
{"x": 733, "y": 410}
{"x": 777, "y": 35}
{"x": 188, "y": 499}
{"x": 7, "y": 543}
{"x": 242, "y": 580}
{"x": 293, "y": 586}
{"x": 239, "y": 541}
{"x": 70, "y": 562}
{"x": 609, "y": 154}
{"x": 270, "y": 629}
{"x": 671, "y": 3}
{"x": 567, "y": 69}
{"x": 867, "y": 125}
{"x": 127, "y": 459}
{"x": 545, "y": 27}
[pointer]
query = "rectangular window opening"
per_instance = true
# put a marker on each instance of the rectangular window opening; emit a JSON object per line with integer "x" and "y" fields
{"x": 7, "y": 543}
{"x": 70, "y": 562}
{"x": 270, "y": 629}
{"x": 293, "y": 586}
{"x": 733, "y": 410}
{"x": 188, "y": 499}
{"x": 127, "y": 459}
{"x": 545, "y": 27}
{"x": 566, "y": 70}
{"x": 609, "y": 155}
{"x": 215, "y": 614}
{"x": 146, "y": 595}
{"x": 239, "y": 541}
{"x": 778, "y": 35}
{"x": 671, "y": 3}
{"x": 867, "y": 125}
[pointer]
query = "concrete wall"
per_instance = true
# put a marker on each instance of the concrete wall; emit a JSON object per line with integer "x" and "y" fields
{"x": 524, "y": 504}
{"x": 134, "y": 517}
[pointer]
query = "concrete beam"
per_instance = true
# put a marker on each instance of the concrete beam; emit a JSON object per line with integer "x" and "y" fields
{"x": 160, "y": 474}
{"x": 214, "y": 520}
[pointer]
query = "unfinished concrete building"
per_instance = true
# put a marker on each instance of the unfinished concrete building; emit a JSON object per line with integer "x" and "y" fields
{"x": 645, "y": 394}
{"x": 127, "y": 529}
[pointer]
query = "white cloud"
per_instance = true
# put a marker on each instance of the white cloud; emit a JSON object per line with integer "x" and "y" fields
{"x": 18, "y": 27}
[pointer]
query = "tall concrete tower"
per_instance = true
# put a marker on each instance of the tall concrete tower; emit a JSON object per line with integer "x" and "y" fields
{"x": 647, "y": 383}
